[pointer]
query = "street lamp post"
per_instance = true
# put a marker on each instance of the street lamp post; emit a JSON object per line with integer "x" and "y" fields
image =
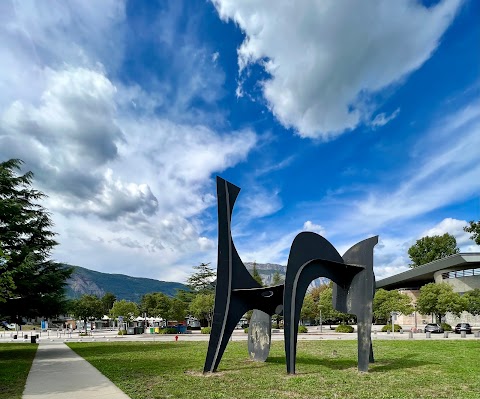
{"x": 321, "y": 324}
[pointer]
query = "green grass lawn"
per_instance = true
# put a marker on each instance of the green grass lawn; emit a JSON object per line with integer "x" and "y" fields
{"x": 325, "y": 369}
{"x": 15, "y": 363}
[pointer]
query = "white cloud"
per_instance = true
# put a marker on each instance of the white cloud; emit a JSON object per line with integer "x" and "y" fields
{"x": 326, "y": 58}
{"x": 36, "y": 35}
{"x": 443, "y": 170}
{"x": 262, "y": 203}
{"x": 206, "y": 243}
{"x": 454, "y": 227}
{"x": 382, "y": 119}
{"x": 316, "y": 228}
{"x": 128, "y": 185}
{"x": 391, "y": 256}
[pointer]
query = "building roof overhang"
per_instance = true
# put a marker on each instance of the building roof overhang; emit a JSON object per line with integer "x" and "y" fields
{"x": 421, "y": 275}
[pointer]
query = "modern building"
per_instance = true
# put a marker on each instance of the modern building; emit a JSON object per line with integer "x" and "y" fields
{"x": 461, "y": 271}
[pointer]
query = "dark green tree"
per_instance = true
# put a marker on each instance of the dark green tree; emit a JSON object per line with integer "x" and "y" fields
{"x": 156, "y": 304}
{"x": 277, "y": 278}
{"x": 185, "y": 296}
{"x": 87, "y": 307}
{"x": 325, "y": 304}
{"x": 428, "y": 249}
{"x": 474, "y": 229}
{"x": 107, "y": 302}
{"x": 127, "y": 309}
{"x": 438, "y": 299}
{"x": 202, "y": 307}
{"x": 26, "y": 242}
{"x": 472, "y": 299}
{"x": 309, "y": 308}
{"x": 7, "y": 285}
{"x": 256, "y": 275}
{"x": 178, "y": 310}
{"x": 202, "y": 280}
{"x": 385, "y": 302}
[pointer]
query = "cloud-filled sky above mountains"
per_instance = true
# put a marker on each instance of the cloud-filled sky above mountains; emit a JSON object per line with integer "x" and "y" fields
{"x": 350, "y": 119}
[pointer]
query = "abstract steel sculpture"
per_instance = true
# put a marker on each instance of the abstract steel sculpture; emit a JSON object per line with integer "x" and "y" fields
{"x": 311, "y": 256}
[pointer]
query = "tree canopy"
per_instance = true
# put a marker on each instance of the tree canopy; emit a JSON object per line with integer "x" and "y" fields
{"x": 178, "y": 310}
{"x": 473, "y": 228}
{"x": 107, "y": 302}
{"x": 202, "y": 307}
{"x": 33, "y": 285}
{"x": 87, "y": 307}
{"x": 156, "y": 304}
{"x": 7, "y": 285}
{"x": 202, "y": 280}
{"x": 325, "y": 303}
{"x": 472, "y": 301}
{"x": 128, "y": 310}
{"x": 256, "y": 275}
{"x": 428, "y": 249}
{"x": 309, "y": 308}
{"x": 385, "y": 302}
{"x": 277, "y": 278}
{"x": 438, "y": 299}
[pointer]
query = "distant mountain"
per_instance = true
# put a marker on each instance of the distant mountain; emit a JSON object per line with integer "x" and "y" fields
{"x": 267, "y": 270}
{"x": 86, "y": 281}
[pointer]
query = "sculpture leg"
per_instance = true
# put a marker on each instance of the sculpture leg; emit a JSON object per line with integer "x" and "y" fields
{"x": 291, "y": 317}
{"x": 259, "y": 335}
{"x": 365, "y": 352}
{"x": 222, "y": 329}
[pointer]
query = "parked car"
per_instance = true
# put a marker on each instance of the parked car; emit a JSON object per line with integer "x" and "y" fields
{"x": 463, "y": 327}
{"x": 433, "y": 328}
{"x": 7, "y": 326}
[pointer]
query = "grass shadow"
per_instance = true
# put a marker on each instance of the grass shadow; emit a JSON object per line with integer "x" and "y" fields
{"x": 404, "y": 362}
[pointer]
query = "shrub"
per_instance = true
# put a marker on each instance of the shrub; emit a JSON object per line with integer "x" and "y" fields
{"x": 302, "y": 329}
{"x": 446, "y": 327}
{"x": 343, "y": 328}
{"x": 245, "y": 330}
{"x": 206, "y": 330}
{"x": 122, "y": 332}
{"x": 388, "y": 327}
{"x": 168, "y": 330}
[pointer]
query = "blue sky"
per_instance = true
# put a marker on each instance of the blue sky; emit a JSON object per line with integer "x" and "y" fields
{"x": 350, "y": 119}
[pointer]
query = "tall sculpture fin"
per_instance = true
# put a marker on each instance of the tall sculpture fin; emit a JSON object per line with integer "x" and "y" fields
{"x": 236, "y": 291}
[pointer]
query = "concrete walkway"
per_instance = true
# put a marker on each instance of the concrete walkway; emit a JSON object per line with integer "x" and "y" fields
{"x": 58, "y": 372}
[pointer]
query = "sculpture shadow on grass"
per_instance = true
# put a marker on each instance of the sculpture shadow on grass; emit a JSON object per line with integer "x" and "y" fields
{"x": 311, "y": 256}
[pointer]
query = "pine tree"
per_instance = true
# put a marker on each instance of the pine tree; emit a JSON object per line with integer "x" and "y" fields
{"x": 26, "y": 242}
{"x": 203, "y": 279}
{"x": 277, "y": 278}
{"x": 256, "y": 275}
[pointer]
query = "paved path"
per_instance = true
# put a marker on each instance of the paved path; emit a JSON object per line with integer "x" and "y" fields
{"x": 58, "y": 372}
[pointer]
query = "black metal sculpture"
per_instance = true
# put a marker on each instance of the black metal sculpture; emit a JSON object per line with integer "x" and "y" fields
{"x": 311, "y": 256}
